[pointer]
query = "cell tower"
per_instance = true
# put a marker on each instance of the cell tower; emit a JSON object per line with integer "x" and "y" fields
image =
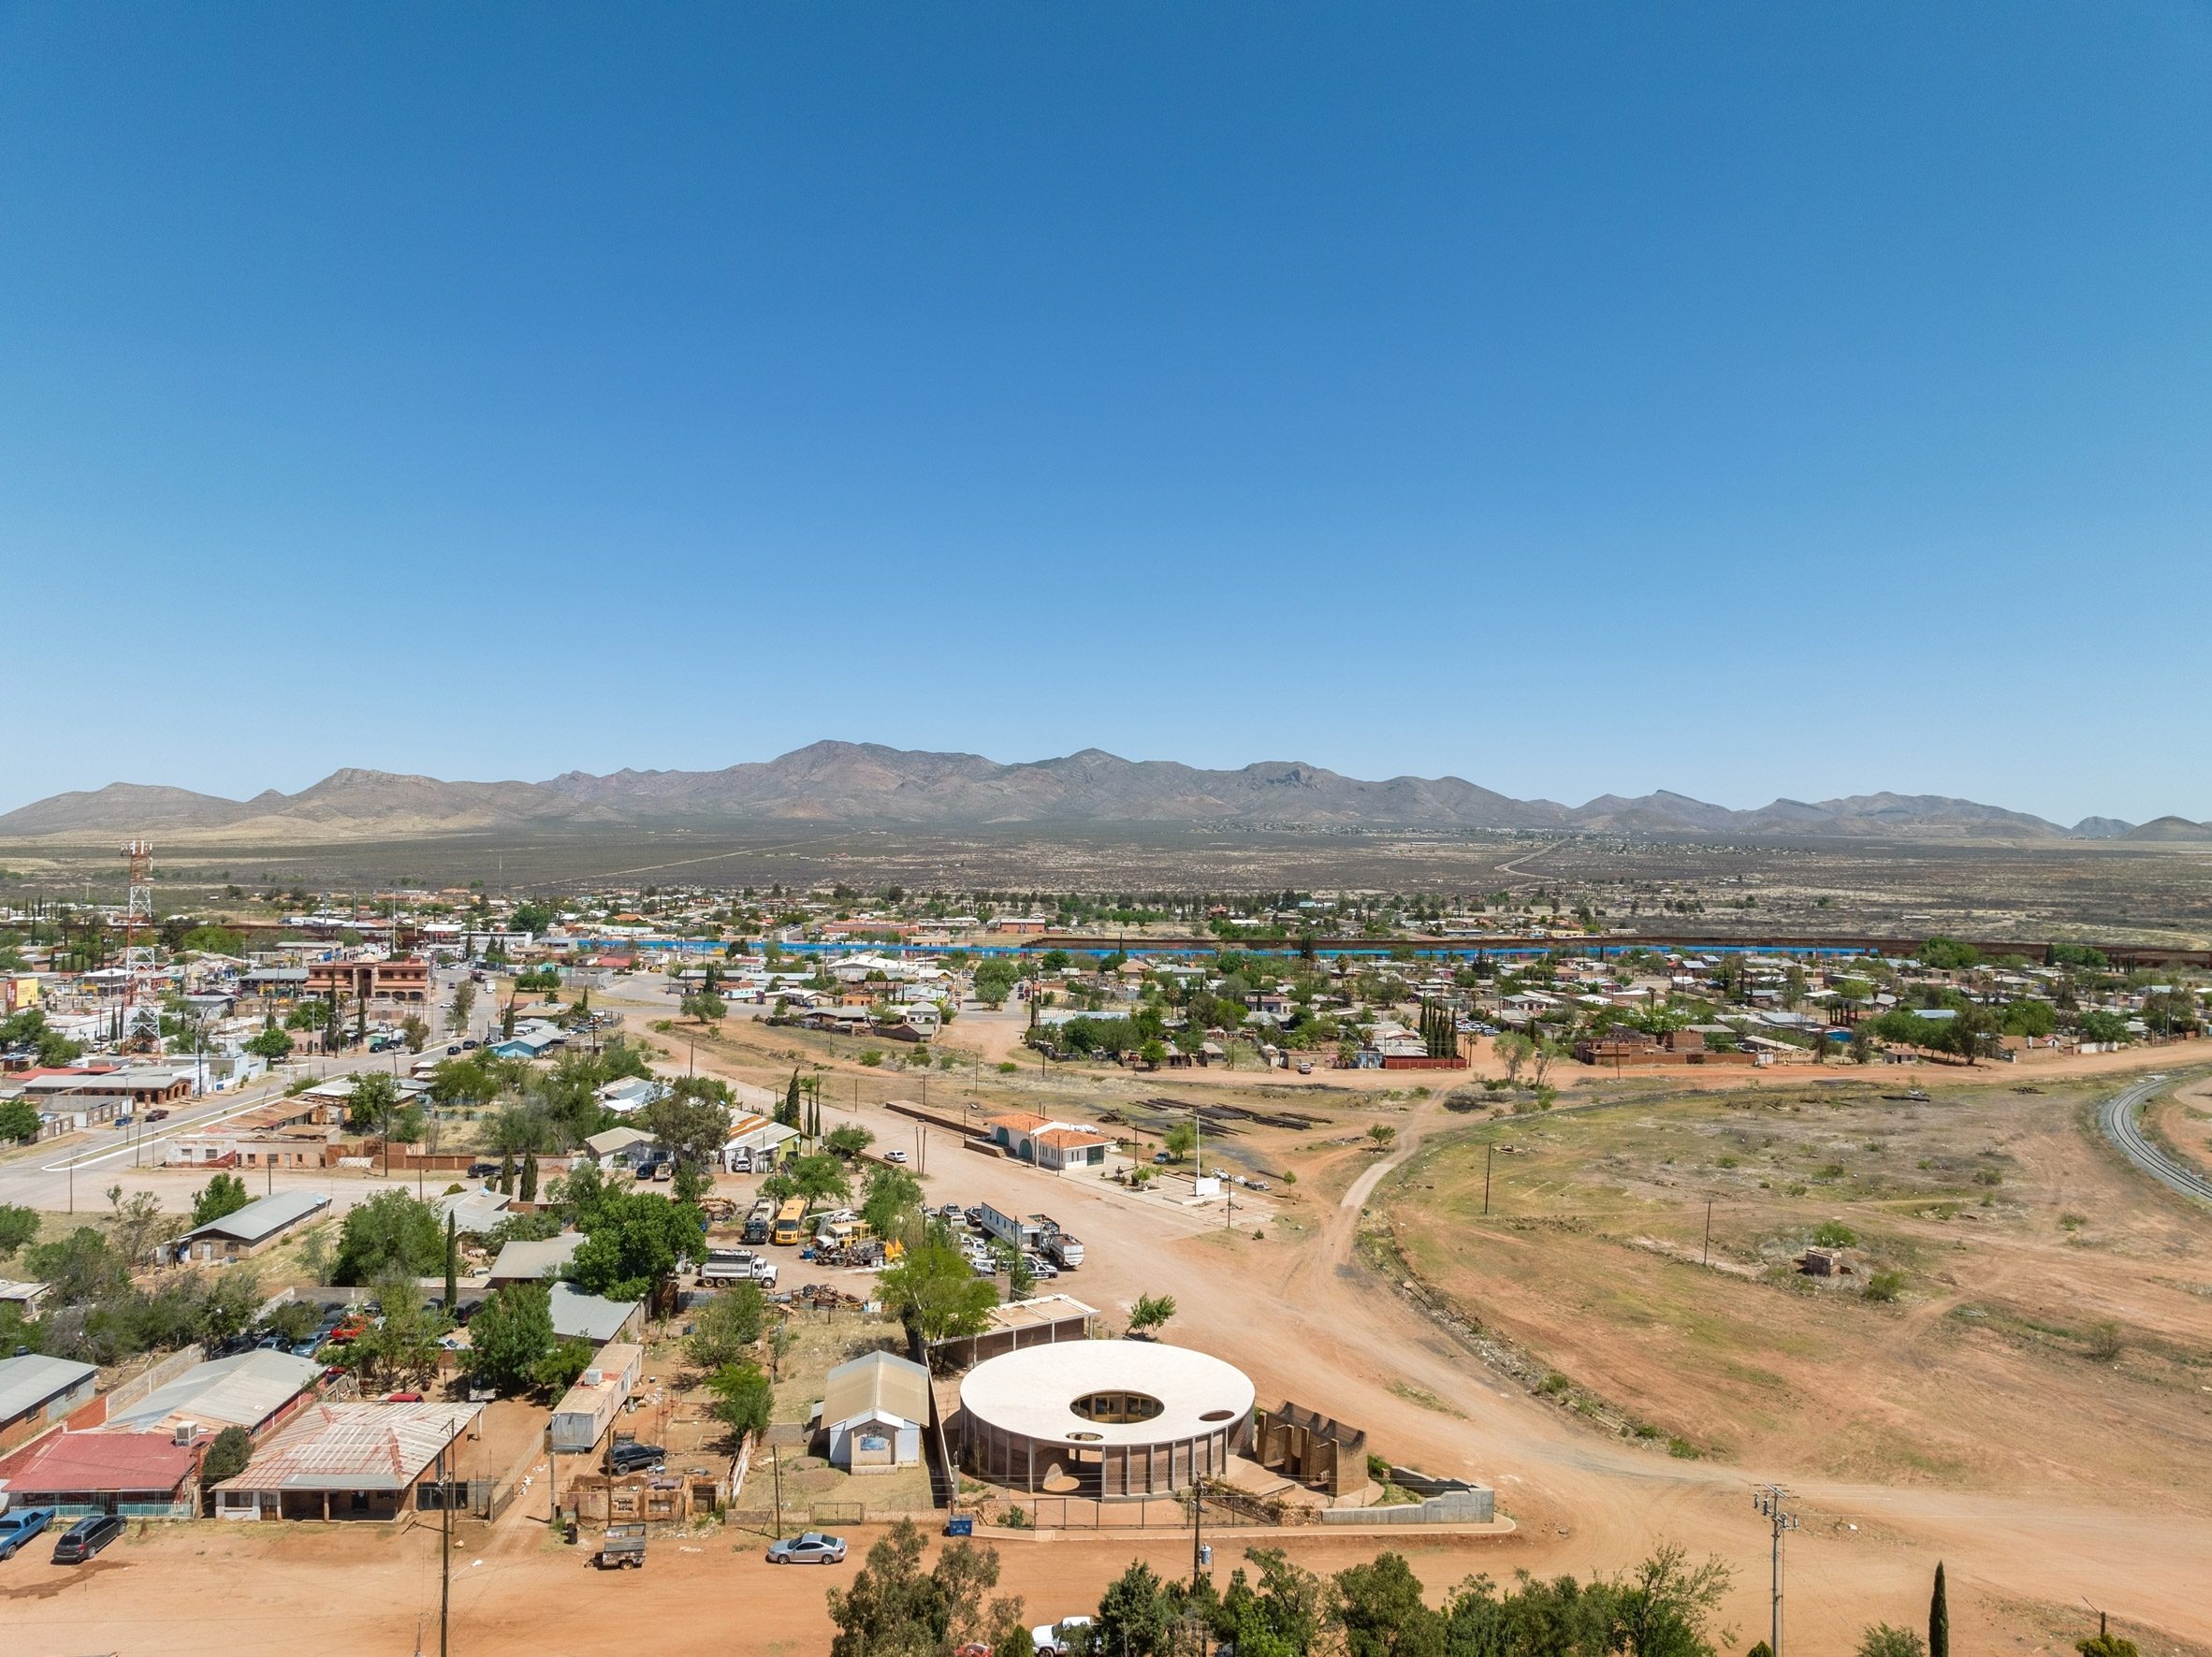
{"x": 137, "y": 912}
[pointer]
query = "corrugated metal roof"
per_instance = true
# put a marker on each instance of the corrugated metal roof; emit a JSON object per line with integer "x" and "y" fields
{"x": 241, "y": 1391}
{"x": 355, "y": 1446}
{"x": 264, "y": 1217}
{"x": 536, "y": 1257}
{"x": 26, "y": 1383}
{"x": 876, "y": 1384}
{"x": 98, "y": 1461}
{"x": 588, "y": 1317}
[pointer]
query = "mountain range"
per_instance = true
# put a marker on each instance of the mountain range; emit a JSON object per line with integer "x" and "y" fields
{"x": 863, "y": 784}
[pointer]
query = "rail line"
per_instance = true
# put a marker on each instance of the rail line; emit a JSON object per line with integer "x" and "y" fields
{"x": 2115, "y": 1116}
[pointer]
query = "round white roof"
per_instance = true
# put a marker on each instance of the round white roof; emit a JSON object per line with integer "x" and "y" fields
{"x": 1033, "y": 1392}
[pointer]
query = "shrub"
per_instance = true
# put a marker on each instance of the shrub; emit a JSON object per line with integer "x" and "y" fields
{"x": 1885, "y": 1285}
{"x": 2105, "y": 1341}
{"x": 1552, "y": 1385}
{"x": 1007, "y": 1068}
{"x": 1988, "y": 1176}
{"x": 228, "y": 1455}
{"x": 1834, "y": 1234}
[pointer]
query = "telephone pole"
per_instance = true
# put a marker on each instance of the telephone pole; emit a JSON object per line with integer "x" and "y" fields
{"x": 446, "y": 1544}
{"x": 1770, "y": 1500}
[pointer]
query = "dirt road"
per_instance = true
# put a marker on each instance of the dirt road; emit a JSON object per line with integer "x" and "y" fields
{"x": 1298, "y": 1312}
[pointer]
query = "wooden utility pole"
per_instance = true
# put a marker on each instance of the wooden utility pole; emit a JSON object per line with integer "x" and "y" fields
{"x": 444, "y": 1544}
{"x": 1490, "y": 1155}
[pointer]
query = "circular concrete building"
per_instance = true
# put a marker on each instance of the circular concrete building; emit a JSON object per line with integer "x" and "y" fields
{"x": 1102, "y": 1418}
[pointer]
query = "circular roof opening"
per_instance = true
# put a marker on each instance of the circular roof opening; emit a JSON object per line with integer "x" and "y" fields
{"x": 1117, "y": 1409}
{"x": 1218, "y": 1416}
{"x": 1087, "y": 1437}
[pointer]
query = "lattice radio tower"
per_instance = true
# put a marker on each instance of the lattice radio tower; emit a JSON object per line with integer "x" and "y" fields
{"x": 137, "y": 913}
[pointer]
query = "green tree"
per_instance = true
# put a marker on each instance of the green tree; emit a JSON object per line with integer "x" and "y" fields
{"x": 848, "y": 1141}
{"x": 1180, "y": 1140}
{"x": 529, "y": 1191}
{"x": 18, "y": 1227}
{"x": 1513, "y": 1050}
{"x": 510, "y": 1337}
{"x": 1939, "y": 1616}
{"x": 743, "y": 1399}
{"x": 19, "y": 1120}
{"x": 391, "y": 1232}
{"x": 227, "y": 1307}
{"x": 706, "y": 1008}
{"x": 1383, "y": 1134}
{"x": 560, "y": 1368}
{"x": 1379, "y": 1609}
{"x": 402, "y": 1344}
{"x": 464, "y": 1003}
{"x": 820, "y": 1178}
{"x": 633, "y": 1241}
{"x": 372, "y": 1103}
{"x": 893, "y": 1205}
{"x": 452, "y": 1300}
{"x": 894, "y": 1609}
{"x": 690, "y": 1121}
{"x": 227, "y": 1458}
{"x": 271, "y": 1043}
{"x": 727, "y": 1327}
{"x": 1136, "y": 1615}
{"x": 934, "y": 1293}
{"x": 1152, "y": 1311}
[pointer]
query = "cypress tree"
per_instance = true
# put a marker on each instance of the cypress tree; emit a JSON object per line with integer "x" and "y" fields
{"x": 452, "y": 1268}
{"x": 1938, "y": 1618}
{"x": 529, "y": 1176}
{"x": 507, "y": 1173}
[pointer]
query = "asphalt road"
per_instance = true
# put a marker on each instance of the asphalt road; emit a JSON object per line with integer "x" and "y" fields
{"x": 71, "y": 1174}
{"x": 2117, "y": 1117}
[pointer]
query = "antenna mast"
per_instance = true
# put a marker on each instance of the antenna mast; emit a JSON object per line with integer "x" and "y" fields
{"x": 137, "y": 912}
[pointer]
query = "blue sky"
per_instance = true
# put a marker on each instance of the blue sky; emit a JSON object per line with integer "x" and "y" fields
{"x": 1747, "y": 400}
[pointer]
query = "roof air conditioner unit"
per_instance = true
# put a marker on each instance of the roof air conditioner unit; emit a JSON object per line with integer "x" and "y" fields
{"x": 186, "y": 1432}
{"x": 594, "y": 1378}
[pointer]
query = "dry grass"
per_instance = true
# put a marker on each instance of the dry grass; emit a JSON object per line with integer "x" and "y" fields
{"x": 2021, "y": 1350}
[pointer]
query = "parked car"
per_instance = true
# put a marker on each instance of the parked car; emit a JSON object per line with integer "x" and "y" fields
{"x": 899, "y": 1156}
{"x": 480, "y": 1169}
{"x": 952, "y": 1211}
{"x": 1058, "y": 1639}
{"x": 87, "y": 1537}
{"x": 635, "y": 1458}
{"x": 813, "y": 1548}
{"x": 158, "y": 1116}
{"x": 18, "y": 1525}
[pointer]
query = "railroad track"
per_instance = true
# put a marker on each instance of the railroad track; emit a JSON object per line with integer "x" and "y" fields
{"x": 2115, "y": 1116}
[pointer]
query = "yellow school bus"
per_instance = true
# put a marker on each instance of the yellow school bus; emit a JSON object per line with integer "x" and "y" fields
{"x": 791, "y": 1220}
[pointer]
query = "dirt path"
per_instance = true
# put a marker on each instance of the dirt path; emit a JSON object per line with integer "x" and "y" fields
{"x": 1299, "y": 1314}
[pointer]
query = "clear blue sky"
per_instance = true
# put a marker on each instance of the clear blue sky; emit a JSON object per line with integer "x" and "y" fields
{"x": 1748, "y": 400}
